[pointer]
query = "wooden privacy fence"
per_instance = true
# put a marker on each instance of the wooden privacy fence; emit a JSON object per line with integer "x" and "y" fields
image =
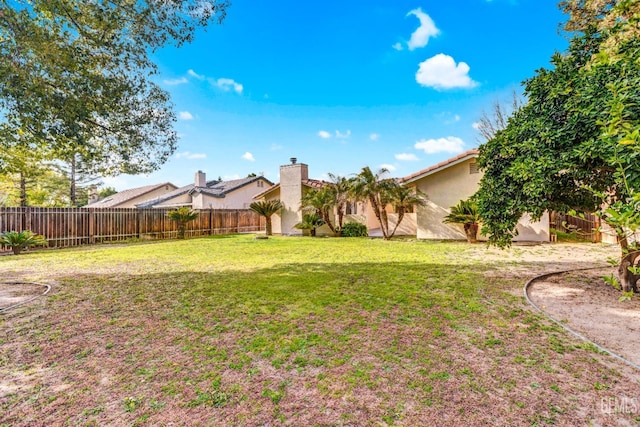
{"x": 78, "y": 226}
{"x": 584, "y": 227}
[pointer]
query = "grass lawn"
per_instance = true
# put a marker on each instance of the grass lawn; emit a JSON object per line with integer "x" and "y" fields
{"x": 230, "y": 330}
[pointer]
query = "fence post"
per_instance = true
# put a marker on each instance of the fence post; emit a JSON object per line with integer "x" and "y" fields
{"x": 27, "y": 214}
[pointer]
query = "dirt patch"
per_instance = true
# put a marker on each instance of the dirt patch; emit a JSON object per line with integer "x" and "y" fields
{"x": 585, "y": 303}
{"x": 16, "y": 293}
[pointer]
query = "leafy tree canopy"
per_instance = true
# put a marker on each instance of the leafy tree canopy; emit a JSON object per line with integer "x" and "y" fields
{"x": 76, "y": 77}
{"x": 576, "y": 142}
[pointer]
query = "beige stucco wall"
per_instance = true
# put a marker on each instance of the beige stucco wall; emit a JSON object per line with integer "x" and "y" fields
{"x": 529, "y": 231}
{"x": 276, "y": 220}
{"x": 238, "y": 199}
{"x": 291, "y": 177}
{"x": 444, "y": 189}
{"x": 182, "y": 200}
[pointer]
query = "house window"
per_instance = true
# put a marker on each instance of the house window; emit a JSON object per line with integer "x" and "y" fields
{"x": 260, "y": 184}
{"x": 473, "y": 168}
{"x": 351, "y": 208}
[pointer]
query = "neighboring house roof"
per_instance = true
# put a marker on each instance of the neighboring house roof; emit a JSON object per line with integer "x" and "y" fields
{"x": 311, "y": 183}
{"x": 222, "y": 188}
{"x": 126, "y": 195}
{"x": 214, "y": 188}
{"x": 440, "y": 166}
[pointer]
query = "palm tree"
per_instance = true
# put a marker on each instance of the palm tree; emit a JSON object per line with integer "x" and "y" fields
{"x": 266, "y": 208}
{"x": 374, "y": 188}
{"x": 182, "y": 215}
{"x": 340, "y": 188}
{"x": 404, "y": 199}
{"x": 321, "y": 201}
{"x": 18, "y": 240}
{"x": 310, "y": 222}
{"x": 466, "y": 213}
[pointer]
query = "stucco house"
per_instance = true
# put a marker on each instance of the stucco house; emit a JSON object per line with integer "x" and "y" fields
{"x": 448, "y": 182}
{"x": 294, "y": 181}
{"x": 203, "y": 194}
{"x": 132, "y": 196}
{"x": 445, "y": 184}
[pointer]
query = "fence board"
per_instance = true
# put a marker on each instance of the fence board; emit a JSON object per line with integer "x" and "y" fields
{"x": 64, "y": 227}
{"x": 584, "y": 227}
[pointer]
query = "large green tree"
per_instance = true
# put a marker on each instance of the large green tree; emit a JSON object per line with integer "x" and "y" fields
{"x": 76, "y": 77}
{"x": 575, "y": 144}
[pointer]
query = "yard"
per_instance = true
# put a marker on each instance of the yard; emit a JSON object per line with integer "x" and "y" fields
{"x": 230, "y": 330}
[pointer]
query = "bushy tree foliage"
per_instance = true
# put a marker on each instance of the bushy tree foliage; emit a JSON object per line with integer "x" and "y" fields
{"x": 76, "y": 78}
{"x": 267, "y": 208}
{"x": 575, "y": 145}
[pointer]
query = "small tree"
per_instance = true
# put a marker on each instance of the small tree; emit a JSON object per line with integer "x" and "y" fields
{"x": 322, "y": 202}
{"x": 18, "y": 240}
{"x": 466, "y": 213}
{"x": 266, "y": 208}
{"x": 310, "y": 222}
{"x": 183, "y": 216}
{"x": 404, "y": 200}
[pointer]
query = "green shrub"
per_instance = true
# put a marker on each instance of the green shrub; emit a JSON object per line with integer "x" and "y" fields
{"x": 182, "y": 216}
{"x": 18, "y": 240}
{"x": 354, "y": 229}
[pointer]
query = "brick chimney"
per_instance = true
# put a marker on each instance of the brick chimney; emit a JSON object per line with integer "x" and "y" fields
{"x": 201, "y": 179}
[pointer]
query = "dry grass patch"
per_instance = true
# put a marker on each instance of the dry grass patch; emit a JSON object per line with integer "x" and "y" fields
{"x": 300, "y": 331}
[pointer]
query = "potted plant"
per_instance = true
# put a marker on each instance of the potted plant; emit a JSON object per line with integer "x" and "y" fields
{"x": 466, "y": 213}
{"x": 18, "y": 240}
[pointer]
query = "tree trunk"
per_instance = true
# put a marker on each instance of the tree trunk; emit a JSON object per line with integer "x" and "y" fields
{"x": 73, "y": 198}
{"x": 376, "y": 210}
{"x": 627, "y": 278}
{"x": 268, "y": 226}
{"x": 471, "y": 230}
{"x": 23, "y": 190}
{"x": 312, "y": 232}
{"x": 181, "y": 229}
{"x": 16, "y": 250}
{"x": 400, "y": 218}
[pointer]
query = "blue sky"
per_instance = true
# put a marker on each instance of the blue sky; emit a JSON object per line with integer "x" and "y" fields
{"x": 345, "y": 84}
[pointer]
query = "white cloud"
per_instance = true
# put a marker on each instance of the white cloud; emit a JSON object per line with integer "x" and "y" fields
{"x": 407, "y": 157}
{"x": 397, "y": 46}
{"x": 248, "y": 156}
{"x": 388, "y": 167}
{"x": 174, "y": 82}
{"x": 190, "y": 156}
{"x": 185, "y": 115}
{"x": 427, "y": 29}
{"x": 374, "y": 136}
{"x": 275, "y": 147}
{"x": 324, "y": 134}
{"x": 475, "y": 125}
{"x": 195, "y": 75}
{"x": 450, "y": 144}
{"x": 227, "y": 85}
{"x": 441, "y": 72}
{"x": 345, "y": 135}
